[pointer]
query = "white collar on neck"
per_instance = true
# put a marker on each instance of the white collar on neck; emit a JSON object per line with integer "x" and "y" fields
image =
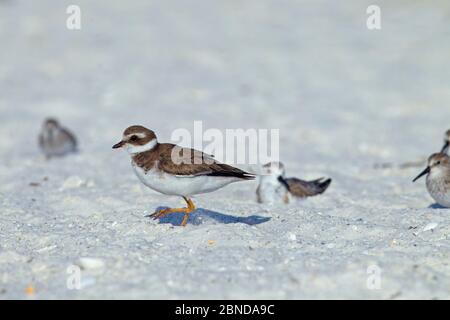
{"x": 138, "y": 149}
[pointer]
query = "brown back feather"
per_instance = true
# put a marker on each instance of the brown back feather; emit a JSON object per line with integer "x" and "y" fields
{"x": 302, "y": 189}
{"x": 190, "y": 162}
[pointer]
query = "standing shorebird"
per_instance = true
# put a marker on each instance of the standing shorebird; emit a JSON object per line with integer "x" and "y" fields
{"x": 55, "y": 140}
{"x": 173, "y": 170}
{"x": 438, "y": 178}
{"x": 274, "y": 187}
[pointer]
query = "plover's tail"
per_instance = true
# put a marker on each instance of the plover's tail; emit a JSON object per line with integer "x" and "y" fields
{"x": 302, "y": 189}
{"x": 224, "y": 170}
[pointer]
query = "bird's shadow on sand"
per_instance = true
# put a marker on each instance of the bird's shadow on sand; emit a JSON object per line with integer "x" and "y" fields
{"x": 436, "y": 206}
{"x": 201, "y": 215}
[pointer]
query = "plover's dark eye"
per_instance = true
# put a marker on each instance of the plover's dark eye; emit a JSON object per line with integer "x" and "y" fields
{"x": 133, "y": 138}
{"x": 438, "y": 163}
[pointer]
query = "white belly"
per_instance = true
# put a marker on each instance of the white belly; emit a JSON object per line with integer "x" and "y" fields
{"x": 439, "y": 192}
{"x": 272, "y": 192}
{"x": 441, "y": 198}
{"x": 181, "y": 185}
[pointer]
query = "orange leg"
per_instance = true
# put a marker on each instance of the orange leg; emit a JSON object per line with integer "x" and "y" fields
{"x": 187, "y": 211}
{"x": 161, "y": 213}
{"x": 190, "y": 208}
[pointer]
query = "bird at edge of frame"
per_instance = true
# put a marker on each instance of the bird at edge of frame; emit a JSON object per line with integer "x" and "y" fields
{"x": 438, "y": 178}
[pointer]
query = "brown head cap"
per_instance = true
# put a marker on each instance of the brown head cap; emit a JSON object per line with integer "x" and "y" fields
{"x": 138, "y": 135}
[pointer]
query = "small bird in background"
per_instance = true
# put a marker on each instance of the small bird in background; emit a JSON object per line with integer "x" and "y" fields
{"x": 446, "y": 146}
{"x": 274, "y": 187}
{"x": 438, "y": 178}
{"x": 173, "y": 170}
{"x": 55, "y": 140}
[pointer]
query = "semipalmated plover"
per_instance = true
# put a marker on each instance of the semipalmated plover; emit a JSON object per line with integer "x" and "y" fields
{"x": 55, "y": 140}
{"x": 438, "y": 178}
{"x": 173, "y": 170}
{"x": 274, "y": 187}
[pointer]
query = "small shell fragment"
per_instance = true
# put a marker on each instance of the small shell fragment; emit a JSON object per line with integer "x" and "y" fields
{"x": 87, "y": 263}
{"x": 430, "y": 226}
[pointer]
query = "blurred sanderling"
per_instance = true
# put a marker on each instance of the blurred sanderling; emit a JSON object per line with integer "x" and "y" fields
{"x": 274, "y": 187}
{"x": 55, "y": 140}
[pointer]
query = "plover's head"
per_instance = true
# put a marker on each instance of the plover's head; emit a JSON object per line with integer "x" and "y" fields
{"x": 438, "y": 165}
{"x": 137, "y": 139}
{"x": 274, "y": 170}
{"x": 446, "y": 146}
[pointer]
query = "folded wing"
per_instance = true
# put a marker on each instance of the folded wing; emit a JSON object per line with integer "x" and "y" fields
{"x": 190, "y": 162}
{"x": 302, "y": 189}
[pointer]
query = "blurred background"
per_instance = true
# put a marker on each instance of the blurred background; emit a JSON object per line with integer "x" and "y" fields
{"x": 310, "y": 68}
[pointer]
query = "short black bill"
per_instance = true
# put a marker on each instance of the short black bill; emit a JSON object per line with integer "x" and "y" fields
{"x": 424, "y": 172}
{"x": 284, "y": 182}
{"x": 118, "y": 145}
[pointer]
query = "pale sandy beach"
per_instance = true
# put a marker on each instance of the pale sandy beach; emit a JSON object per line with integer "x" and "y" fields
{"x": 343, "y": 97}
